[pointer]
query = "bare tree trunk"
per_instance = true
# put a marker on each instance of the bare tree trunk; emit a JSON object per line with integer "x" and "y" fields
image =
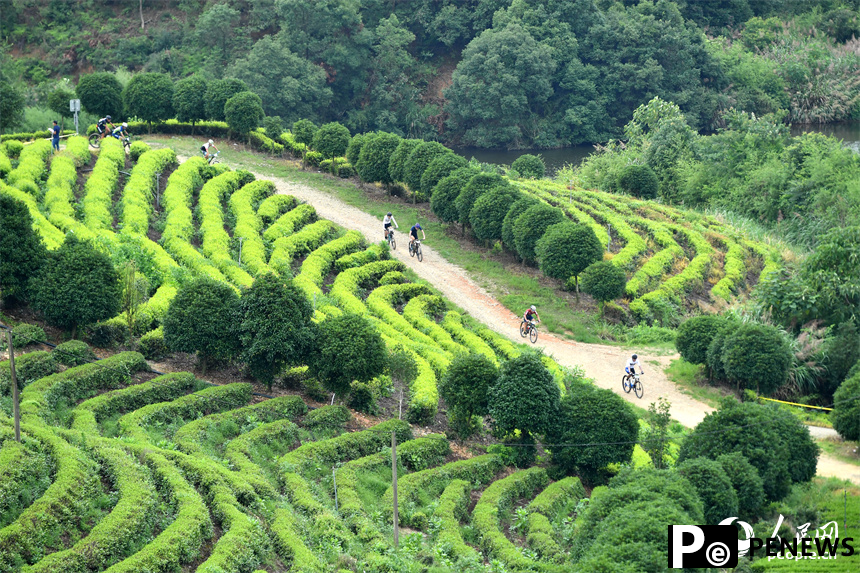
{"x": 142, "y": 24}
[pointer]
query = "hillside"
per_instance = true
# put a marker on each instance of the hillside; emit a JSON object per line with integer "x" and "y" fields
{"x": 374, "y": 66}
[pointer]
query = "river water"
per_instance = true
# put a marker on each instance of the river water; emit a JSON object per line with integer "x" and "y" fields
{"x": 555, "y": 159}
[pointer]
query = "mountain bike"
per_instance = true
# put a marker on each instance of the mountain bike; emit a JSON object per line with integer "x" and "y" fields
{"x": 390, "y": 236}
{"x": 213, "y": 159}
{"x": 415, "y": 249}
{"x": 528, "y": 329}
{"x": 632, "y": 382}
{"x": 95, "y": 140}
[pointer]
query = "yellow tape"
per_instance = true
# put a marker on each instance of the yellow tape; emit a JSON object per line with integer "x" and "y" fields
{"x": 796, "y": 404}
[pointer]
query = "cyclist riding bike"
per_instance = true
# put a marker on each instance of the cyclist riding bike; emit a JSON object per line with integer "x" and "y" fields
{"x": 120, "y": 131}
{"x": 205, "y": 148}
{"x": 102, "y": 126}
{"x": 630, "y": 369}
{"x": 531, "y": 316}
{"x": 413, "y": 234}
{"x": 387, "y": 221}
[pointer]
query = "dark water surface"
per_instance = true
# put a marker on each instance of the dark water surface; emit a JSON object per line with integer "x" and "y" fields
{"x": 555, "y": 159}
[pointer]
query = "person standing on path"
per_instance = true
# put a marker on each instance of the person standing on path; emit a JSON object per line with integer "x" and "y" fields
{"x": 55, "y": 137}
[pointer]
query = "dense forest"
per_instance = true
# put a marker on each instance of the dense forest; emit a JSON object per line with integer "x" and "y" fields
{"x": 489, "y": 73}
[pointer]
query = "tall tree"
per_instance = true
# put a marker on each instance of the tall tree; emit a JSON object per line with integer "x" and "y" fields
{"x": 21, "y": 249}
{"x": 189, "y": 99}
{"x": 100, "y": 94}
{"x": 149, "y": 96}
{"x": 348, "y": 348}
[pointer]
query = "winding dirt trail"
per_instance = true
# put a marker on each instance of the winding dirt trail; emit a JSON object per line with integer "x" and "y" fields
{"x": 605, "y": 364}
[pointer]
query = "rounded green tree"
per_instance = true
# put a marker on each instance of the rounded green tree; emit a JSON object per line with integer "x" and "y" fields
{"x": 489, "y": 211}
{"x": 375, "y": 157}
{"x": 244, "y": 112}
{"x": 439, "y": 168}
{"x": 566, "y": 249}
{"x": 443, "y": 202}
{"x": 746, "y": 482}
{"x": 348, "y": 348}
{"x": 77, "y": 285}
{"x": 465, "y": 387}
{"x": 397, "y": 162}
{"x": 716, "y": 366}
{"x": 11, "y": 105}
{"x": 275, "y": 328}
{"x": 189, "y": 99}
{"x": 353, "y": 150}
{"x": 639, "y": 181}
{"x": 58, "y": 101}
{"x": 100, "y": 94}
{"x": 477, "y": 186}
{"x": 331, "y": 139}
{"x": 217, "y": 94}
{"x": 149, "y": 96}
{"x": 529, "y": 166}
{"x": 846, "y": 409}
{"x": 756, "y": 355}
{"x": 21, "y": 250}
{"x": 417, "y": 163}
{"x": 273, "y": 125}
{"x": 603, "y": 281}
{"x": 591, "y": 415}
{"x": 695, "y": 335}
{"x": 524, "y": 399}
{"x": 713, "y": 486}
{"x": 532, "y": 225}
{"x": 517, "y": 208}
{"x": 199, "y": 318}
{"x": 304, "y": 131}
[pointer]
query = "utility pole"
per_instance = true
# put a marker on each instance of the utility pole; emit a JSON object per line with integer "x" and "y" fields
{"x": 16, "y": 413}
{"x": 394, "y": 486}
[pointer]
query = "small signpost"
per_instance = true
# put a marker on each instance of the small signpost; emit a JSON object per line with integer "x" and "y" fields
{"x": 75, "y": 106}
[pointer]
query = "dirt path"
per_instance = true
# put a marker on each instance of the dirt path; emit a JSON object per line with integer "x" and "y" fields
{"x": 605, "y": 364}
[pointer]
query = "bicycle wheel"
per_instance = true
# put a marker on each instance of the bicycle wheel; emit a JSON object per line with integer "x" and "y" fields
{"x": 624, "y": 384}
{"x": 393, "y": 243}
{"x": 638, "y": 389}
{"x": 523, "y": 330}
{"x": 533, "y": 335}
{"x": 411, "y": 250}
{"x": 94, "y": 140}
{"x": 418, "y": 254}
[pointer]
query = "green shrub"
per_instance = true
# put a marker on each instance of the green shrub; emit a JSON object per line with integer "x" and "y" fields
{"x": 304, "y": 131}
{"x": 217, "y": 94}
{"x": 718, "y": 496}
{"x": 695, "y": 335}
{"x": 24, "y": 335}
{"x": 28, "y": 368}
{"x": 566, "y": 249}
{"x": 393, "y": 278}
{"x": 374, "y": 157}
{"x": 439, "y": 167}
{"x": 714, "y": 357}
{"x": 331, "y": 139}
{"x": 846, "y": 409}
{"x": 639, "y": 181}
{"x": 417, "y": 163}
{"x": 12, "y": 148}
{"x": 529, "y": 166}
{"x": 531, "y": 225}
{"x": 196, "y": 319}
{"x": 244, "y": 112}
{"x": 356, "y": 143}
{"x": 443, "y": 201}
{"x": 757, "y": 354}
{"x": 74, "y": 353}
{"x": 478, "y": 185}
{"x": 273, "y": 125}
{"x": 76, "y": 285}
{"x": 775, "y": 442}
{"x": 313, "y": 158}
{"x": 489, "y": 212}
{"x": 274, "y": 206}
{"x": 327, "y": 417}
{"x": 21, "y": 249}
{"x": 604, "y": 281}
{"x": 516, "y": 209}
{"x": 348, "y": 348}
{"x": 137, "y": 149}
{"x": 187, "y": 100}
{"x": 149, "y": 96}
{"x": 361, "y": 398}
{"x": 591, "y": 415}
{"x": 466, "y": 386}
{"x": 152, "y": 344}
{"x": 746, "y": 483}
{"x": 397, "y": 161}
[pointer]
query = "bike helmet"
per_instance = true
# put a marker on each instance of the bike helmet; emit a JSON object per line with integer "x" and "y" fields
{"x": 107, "y": 117}
{"x": 211, "y": 142}
{"x": 389, "y": 213}
{"x": 124, "y": 124}
{"x": 534, "y": 308}
{"x": 635, "y": 356}
{"x": 417, "y": 226}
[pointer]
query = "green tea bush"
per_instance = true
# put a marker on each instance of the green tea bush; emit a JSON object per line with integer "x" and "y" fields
{"x": 348, "y": 348}
{"x": 28, "y": 368}
{"x": 846, "y": 409}
{"x": 74, "y": 353}
{"x": 24, "y": 335}
{"x": 361, "y": 398}
{"x": 466, "y": 386}
{"x": 152, "y": 344}
{"x": 304, "y": 130}
{"x": 639, "y": 181}
{"x": 137, "y": 149}
{"x": 12, "y": 148}
{"x": 327, "y": 417}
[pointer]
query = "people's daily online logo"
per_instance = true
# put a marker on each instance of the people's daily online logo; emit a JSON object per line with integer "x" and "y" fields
{"x": 713, "y": 546}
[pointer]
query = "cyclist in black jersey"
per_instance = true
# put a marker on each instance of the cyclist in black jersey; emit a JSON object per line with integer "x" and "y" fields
{"x": 102, "y": 125}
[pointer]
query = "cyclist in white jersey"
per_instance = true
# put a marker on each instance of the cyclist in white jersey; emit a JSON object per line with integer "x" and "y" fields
{"x": 387, "y": 221}
{"x": 630, "y": 369}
